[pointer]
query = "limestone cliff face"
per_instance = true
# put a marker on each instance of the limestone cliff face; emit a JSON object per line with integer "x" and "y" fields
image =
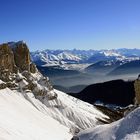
{"x": 137, "y": 91}
{"x": 7, "y": 63}
{"x": 14, "y": 57}
{"x": 16, "y": 71}
{"x": 6, "y": 58}
{"x": 22, "y": 56}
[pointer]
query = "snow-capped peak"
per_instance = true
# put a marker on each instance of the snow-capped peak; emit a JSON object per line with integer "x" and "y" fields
{"x": 111, "y": 53}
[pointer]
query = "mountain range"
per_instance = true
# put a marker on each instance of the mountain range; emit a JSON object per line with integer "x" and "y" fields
{"x": 32, "y": 109}
{"x": 57, "y": 57}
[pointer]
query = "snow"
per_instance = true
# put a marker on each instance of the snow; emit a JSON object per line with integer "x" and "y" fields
{"x": 54, "y": 58}
{"x": 25, "y": 117}
{"x": 68, "y": 56}
{"x": 1, "y": 82}
{"x": 111, "y": 53}
{"x": 68, "y": 110}
{"x": 59, "y": 57}
{"x": 20, "y": 120}
{"x": 127, "y": 128}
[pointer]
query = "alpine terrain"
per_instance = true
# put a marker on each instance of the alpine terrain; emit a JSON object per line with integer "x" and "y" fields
{"x": 31, "y": 108}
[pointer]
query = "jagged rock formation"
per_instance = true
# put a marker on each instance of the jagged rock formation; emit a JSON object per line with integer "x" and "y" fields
{"x": 22, "y": 56}
{"x": 137, "y": 91}
{"x": 18, "y": 72}
{"x": 14, "y": 57}
{"x": 7, "y": 63}
{"x": 32, "y": 68}
{"x": 27, "y": 81}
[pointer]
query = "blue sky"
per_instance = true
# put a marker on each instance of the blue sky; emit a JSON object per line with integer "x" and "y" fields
{"x": 68, "y": 24}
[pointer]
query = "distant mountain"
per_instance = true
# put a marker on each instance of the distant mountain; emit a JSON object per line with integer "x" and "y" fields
{"x": 103, "y": 67}
{"x": 60, "y": 57}
{"x": 72, "y": 89}
{"x": 132, "y": 67}
{"x": 56, "y": 71}
{"x": 129, "y": 52}
{"x": 117, "y": 92}
{"x": 54, "y": 57}
{"x": 106, "y": 55}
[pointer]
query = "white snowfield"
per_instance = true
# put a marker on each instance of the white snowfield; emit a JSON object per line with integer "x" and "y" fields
{"x": 127, "y": 128}
{"x": 69, "y": 111}
{"x": 20, "y": 120}
{"x": 72, "y": 112}
{"x": 23, "y": 117}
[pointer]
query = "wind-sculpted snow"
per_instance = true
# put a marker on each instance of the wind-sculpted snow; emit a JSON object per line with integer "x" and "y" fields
{"x": 127, "y": 128}
{"x": 20, "y": 120}
{"x": 23, "y": 117}
{"x": 69, "y": 111}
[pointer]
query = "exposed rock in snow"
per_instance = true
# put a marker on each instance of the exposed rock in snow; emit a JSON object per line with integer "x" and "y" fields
{"x": 31, "y": 109}
{"x": 127, "y": 128}
{"x": 137, "y": 91}
{"x": 70, "y": 112}
{"x": 14, "y": 57}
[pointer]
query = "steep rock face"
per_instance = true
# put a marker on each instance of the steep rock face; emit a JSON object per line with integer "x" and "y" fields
{"x": 7, "y": 63}
{"x": 6, "y": 58}
{"x": 137, "y": 91}
{"x": 22, "y": 56}
{"x": 18, "y": 72}
{"x": 32, "y": 68}
{"x": 14, "y": 57}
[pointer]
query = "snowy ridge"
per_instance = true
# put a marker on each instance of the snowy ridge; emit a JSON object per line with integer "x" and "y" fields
{"x": 59, "y": 57}
{"x": 127, "y": 128}
{"x": 54, "y": 57}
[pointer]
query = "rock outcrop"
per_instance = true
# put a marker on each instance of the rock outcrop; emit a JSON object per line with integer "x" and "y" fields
{"x": 21, "y": 56}
{"x": 14, "y": 57}
{"x": 137, "y": 91}
{"x": 18, "y": 72}
{"x": 7, "y": 63}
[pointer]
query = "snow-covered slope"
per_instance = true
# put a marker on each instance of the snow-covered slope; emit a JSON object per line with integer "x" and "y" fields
{"x": 24, "y": 116}
{"x": 73, "y": 112}
{"x": 127, "y": 128}
{"x": 31, "y": 108}
{"x": 20, "y": 120}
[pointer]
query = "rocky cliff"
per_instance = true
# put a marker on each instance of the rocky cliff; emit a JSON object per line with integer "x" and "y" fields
{"x": 7, "y": 63}
{"x": 14, "y": 57}
{"x": 18, "y": 72}
{"x": 19, "y": 76}
{"x": 137, "y": 91}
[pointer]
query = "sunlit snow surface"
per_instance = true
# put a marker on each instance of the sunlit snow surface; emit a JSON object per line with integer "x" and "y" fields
{"x": 23, "y": 117}
{"x": 20, "y": 120}
{"x": 127, "y": 128}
